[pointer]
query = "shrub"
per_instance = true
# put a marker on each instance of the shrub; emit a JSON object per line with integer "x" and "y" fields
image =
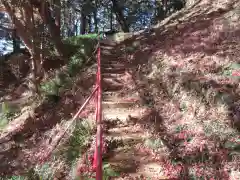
{"x": 84, "y": 48}
{"x": 6, "y": 114}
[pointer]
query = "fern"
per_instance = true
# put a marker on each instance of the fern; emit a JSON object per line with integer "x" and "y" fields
{"x": 108, "y": 172}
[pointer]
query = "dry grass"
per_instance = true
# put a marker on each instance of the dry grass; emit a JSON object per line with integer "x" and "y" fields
{"x": 27, "y": 138}
{"x": 180, "y": 70}
{"x": 187, "y": 74}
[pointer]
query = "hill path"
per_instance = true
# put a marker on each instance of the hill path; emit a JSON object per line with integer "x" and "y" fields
{"x": 122, "y": 108}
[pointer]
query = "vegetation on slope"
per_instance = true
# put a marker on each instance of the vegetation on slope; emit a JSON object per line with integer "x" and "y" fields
{"x": 60, "y": 81}
{"x": 83, "y": 48}
{"x": 186, "y": 71}
{"x": 189, "y": 75}
{"x": 62, "y": 162}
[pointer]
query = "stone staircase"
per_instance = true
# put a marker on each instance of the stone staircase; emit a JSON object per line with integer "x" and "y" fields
{"x": 122, "y": 107}
{"x": 118, "y": 94}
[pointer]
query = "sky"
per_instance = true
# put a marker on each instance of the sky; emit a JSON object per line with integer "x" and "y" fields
{"x": 5, "y": 47}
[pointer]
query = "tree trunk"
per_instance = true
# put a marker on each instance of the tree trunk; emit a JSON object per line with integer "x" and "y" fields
{"x": 76, "y": 22}
{"x": 111, "y": 19}
{"x": 53, "y": 29}
{"x": 75, "y": 28}
{"x": 164, "y": 7}
{"x": 42, "y": 40}
{"x": 16, "y": 41}
{"x": 57, "y": 8}
{"x": 35, "y": 55}
{"x": 15, "y": 38}
{"x": 64, "y": 19}
{"x": 20, "y": 27}
{"x": 159, "y": 10}
{"x": 83, "y": 24}
{"x": 95, "y": 21}
{"x": 120, "y": 16}
{"x": 89, "y": 24}
{"x": 69, "y": 31}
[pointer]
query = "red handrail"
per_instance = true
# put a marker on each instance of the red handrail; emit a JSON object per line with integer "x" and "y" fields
{"x": 97, "y": 163}
{"x": 97, "y": 160}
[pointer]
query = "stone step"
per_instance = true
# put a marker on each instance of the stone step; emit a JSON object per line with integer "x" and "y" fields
{"x": 119, "y": 104}
{"x": 107, "y": 47}
{"x": 123, "y": 114}
{"x": 112, "y": 64}
{"x": 108, "y": 56}
{"x": 110, "y": 81}
{"x": 113, "y": 93}
{"x": 108, "y": 52}
{"x": 113, "y": 61}
{"x": 111, "y": 85}
{"x": 112, "y": 88}
{"x": 113, "y": 70}
{"x": 121, "y": 96}
{"x": 127, "y": 134}
{"x": 112, "y": 76}
{"x": 107, "y": 42}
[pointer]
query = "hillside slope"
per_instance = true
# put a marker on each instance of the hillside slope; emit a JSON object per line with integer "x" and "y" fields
{"x": 187, "y": 69}
{"x": 171, "y": 106}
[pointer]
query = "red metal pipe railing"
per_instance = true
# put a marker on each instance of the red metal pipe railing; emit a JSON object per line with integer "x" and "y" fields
{"x": 97, "y": 161}
{"x": 99, "y": 140}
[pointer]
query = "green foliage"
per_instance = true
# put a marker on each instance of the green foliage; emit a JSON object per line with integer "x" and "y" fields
{"x": 229, "y": 69}
{"x": 80, "y": 135}
{"x": 234, "y": 66}
{"x": 233, "y": 147}
{"x": 53, "y": 86}
{"x": 43, "y": 172}
{"x": 218, "y": 130}
{"x": 50, "y": 88}
{"x": 76, "y": 40}
{"x": 40, "y": 172}
{"x": 14, "y": 178}
{"x": 154, "y": 144}
{"x": 180, "y": 128}
{"x": 6, "y": 114}
{"x": 3, "y": 121}
{"x": 75, "y": 64}
{"x": 85, "y": 47}
{"x": 183, "y": 106}
{"x": 108, "y": 172}
{"x": 193, "y": 174}
{"x": 7, "y": 110}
